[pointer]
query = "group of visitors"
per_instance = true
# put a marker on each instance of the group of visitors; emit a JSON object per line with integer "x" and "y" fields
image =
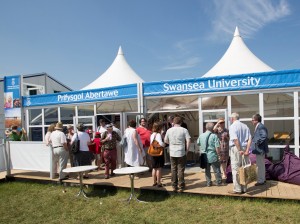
{"x": 218, "y": 142}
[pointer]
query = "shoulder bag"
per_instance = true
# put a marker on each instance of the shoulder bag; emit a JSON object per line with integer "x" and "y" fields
{"x": 75, "y": 147}
{"x": 203, "y": 156}
{"x": 155, "y": 149}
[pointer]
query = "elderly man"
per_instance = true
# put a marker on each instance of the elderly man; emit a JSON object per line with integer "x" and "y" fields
{"x": 260, "y": 147}
{"x": 209, "y": 143}
{"x": 179, "y": 141}
{"x": 60, "y": 149}
{"x": 239, "y": 143}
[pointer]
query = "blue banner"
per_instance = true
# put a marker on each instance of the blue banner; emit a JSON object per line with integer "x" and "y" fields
{"x": 94, "y": 95}
{"x": 12, "y": 102}
{"x": 265, "y": 80}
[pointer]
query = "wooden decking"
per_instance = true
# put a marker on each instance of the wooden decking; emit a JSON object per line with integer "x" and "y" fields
{"x": 194, "y": 177}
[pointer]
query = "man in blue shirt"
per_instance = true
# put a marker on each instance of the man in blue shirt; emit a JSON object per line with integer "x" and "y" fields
{"x": 239, "y": 144}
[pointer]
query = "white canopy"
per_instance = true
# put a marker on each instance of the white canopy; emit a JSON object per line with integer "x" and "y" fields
{"x": 238, "y": 59}
{"x": 119, "y": 73}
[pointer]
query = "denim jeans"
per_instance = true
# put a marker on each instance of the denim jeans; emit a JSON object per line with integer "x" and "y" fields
{"x": 177, "y": 169}
{"x": 217, "y": 171}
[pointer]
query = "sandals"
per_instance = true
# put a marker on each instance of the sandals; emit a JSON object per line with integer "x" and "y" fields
{"x": 154, "y": 184}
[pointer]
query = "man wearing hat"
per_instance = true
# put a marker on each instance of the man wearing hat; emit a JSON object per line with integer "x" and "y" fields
{"x": 60, "y": 149}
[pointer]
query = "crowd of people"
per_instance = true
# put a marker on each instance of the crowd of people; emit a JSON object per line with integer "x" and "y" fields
{"x": 222, "y": 147}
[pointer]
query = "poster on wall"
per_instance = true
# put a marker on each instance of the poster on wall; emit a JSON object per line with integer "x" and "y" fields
{"x": 12, "y": 102}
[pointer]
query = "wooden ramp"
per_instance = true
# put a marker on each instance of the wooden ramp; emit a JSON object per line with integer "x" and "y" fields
{"x": 194, "y": 177}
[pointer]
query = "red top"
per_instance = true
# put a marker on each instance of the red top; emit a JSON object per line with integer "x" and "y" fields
{"x": 96, "y": 147}
{"x": 145, "y": 135}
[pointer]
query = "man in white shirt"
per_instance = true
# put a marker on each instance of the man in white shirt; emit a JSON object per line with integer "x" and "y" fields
{"x": 179, "y": 141}
{"x": 239, "y": 145}
{"x": 60, "y": 149}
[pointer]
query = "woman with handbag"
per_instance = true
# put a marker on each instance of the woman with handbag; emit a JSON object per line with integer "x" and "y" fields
{"x": 157, "y": 161}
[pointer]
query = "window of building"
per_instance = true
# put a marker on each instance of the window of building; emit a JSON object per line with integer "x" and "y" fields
{"x": 245, "y": 105}
{"x": 86, "y": 110}
{"x": 172, "y": 103}
{"x": 117, "y": 106}
{"x": 66, "y": 114}
{"x": 279, "y": 104}
{"x": 51, "y": 115}
{"x": 211, "y": 103}
{"x": 35, "y": 116}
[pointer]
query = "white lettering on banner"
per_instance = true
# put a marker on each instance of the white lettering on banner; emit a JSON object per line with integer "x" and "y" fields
{"x": 87, "y": 96}
{"x": 212, "y": 84}
{"x": 183, "y": 87}
{"x": 250, "y": 81}
{"x": 102, "y": 94}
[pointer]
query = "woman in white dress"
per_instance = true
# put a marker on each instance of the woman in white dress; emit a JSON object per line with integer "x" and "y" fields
{"x": 134, "y": 153}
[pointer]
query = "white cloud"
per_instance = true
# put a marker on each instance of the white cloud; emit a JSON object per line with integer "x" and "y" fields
{"x": 188, "y": 63}
{"x": 249, "y": 16}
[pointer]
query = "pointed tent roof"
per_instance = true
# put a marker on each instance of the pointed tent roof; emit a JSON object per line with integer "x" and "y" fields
{"x": 238, "y": 59}
{"x": 119, "y": 73}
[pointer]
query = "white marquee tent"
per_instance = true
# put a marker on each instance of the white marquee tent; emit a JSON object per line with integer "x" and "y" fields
{"x": 119, "y": 73}
{"x": 238, "y": 59}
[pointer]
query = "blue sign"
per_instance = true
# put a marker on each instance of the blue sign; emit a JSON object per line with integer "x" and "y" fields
{"x": 265, "y": 80}
{"x": 12, "y": 101}
{"x": 94, "y": 95}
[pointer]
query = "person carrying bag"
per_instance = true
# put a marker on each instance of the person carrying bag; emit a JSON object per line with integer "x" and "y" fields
{"x": 155, "y": 149}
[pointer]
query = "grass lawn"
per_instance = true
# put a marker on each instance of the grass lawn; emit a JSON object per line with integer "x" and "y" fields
{"x": 47, "y": 203}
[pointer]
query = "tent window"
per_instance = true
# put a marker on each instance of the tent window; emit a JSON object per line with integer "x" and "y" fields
{"x": 51, "y": 115}
{"x": 172, "y": 103}
{"x": 86, "y": 110}
{"x": 218, "y": 102}
{"x": 117, "y": 106}
{"x": 245, "y": 105}
{"x": 67, "y": 114}
{"x": 279, "y": 104}
{"x": 35, "y": 116}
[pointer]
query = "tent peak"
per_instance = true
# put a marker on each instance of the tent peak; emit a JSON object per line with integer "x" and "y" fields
{"x": 236, "y": 32}
{"x": 120, "y": 52}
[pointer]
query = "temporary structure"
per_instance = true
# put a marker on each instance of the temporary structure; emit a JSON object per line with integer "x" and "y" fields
{"x": 238, "y": 59}
{"x": 119, "y": 73}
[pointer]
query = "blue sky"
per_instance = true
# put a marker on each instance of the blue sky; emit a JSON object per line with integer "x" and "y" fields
{"x": 75, "y": 41}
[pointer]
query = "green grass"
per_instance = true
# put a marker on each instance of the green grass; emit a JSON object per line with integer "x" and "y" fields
{"x": 46, "y": 203}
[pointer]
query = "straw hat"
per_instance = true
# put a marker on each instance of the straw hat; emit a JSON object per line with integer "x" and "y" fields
{"x": 59, "y": 125}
